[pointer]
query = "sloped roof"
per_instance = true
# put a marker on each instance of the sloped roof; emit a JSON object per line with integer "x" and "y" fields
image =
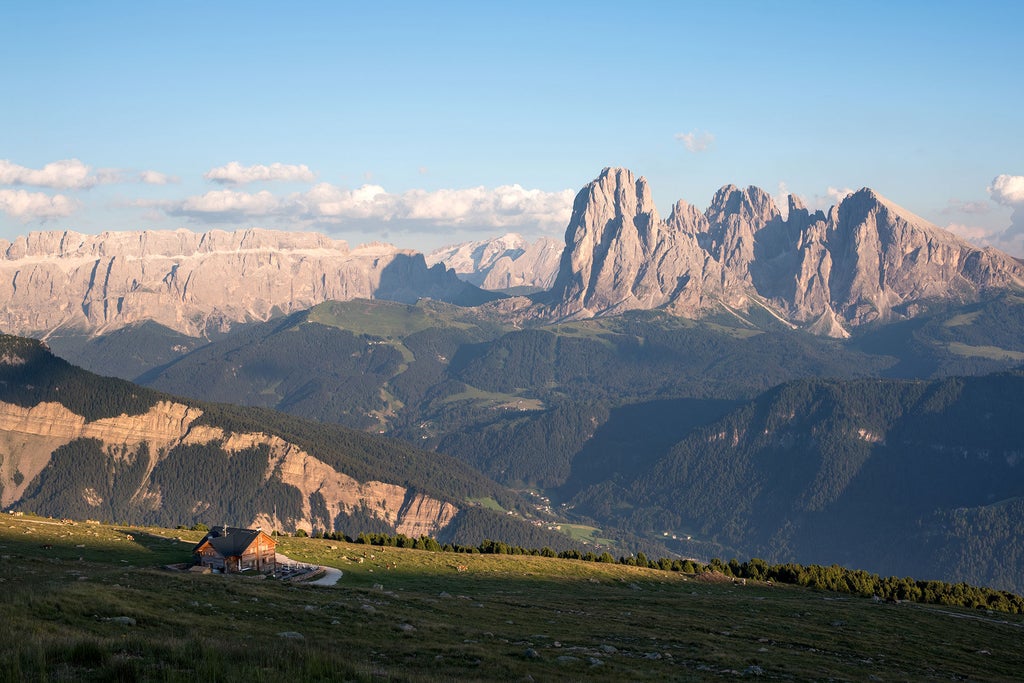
{"x": 229, "y": 541}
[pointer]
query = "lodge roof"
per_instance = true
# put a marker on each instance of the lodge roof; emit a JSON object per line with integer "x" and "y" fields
{"x": 229, "y": 541}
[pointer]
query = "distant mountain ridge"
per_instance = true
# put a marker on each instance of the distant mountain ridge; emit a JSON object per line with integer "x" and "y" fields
{"x": 866, "y": 261}
{"x": 200, "y": 282}
{"x": 503, "y": 262}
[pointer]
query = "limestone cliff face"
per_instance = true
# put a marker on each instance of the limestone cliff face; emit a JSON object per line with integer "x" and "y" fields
{"x": 29, "y": 436}
{"x": 619, "y": 254}
{"x": 503, "y": 262}
{"x": 196, "y": 282}
{"x": 536, "y": 266}
{"x": 867, "y": 260}
{"x": 884, "y": 257}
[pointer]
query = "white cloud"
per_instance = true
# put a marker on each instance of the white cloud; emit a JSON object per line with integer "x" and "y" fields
{"x": 956, "y": 206}
{"x": 500, "y": 207}
{"x": 156, "y": 178}
{"x": 72, "y": 174}
{"x": 696, "y": 142}
{"x": 837, "y": 195}
{"x": 1008, "y": 190}
{"x": 65, "y": 174}
{"x": 371, "y": 207}
{"x": 1010, "y": 241}
{"x": 823, "y": 202}
{"x": 233, "y": 173}
{"x": 975, "y": 234}
{"x": 226, "y": 205}
{"x": 781, "y": 199}
{"x": 27, "y": 206}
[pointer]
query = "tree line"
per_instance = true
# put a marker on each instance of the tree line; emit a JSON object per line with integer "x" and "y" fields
{"x": 831, "y": 578}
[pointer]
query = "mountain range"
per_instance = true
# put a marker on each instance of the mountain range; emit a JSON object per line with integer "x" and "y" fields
{"x": 200, "y": 284}
{"x": 866, "y": 261}
{"x": 816, "y": 387}
{"x": 504, "y": 263}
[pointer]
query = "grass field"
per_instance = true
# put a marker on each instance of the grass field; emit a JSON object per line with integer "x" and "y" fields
{"x": 495, "y": 400}
{"x": 380, "y": 318}
{"x": 95, "y": 606}
{"x": 990, "y": 352}
{"x": 587, "y": 534}
{"x": 488, "y": 503}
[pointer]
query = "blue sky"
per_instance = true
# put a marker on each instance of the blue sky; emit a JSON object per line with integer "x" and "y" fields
{"x": 430, "y": 123}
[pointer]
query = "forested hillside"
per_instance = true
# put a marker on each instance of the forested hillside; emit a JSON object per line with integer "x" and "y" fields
{"x": 609, "y": 418}
{"x": 95, "y": 461}
{"x": 900, "y": 477}
{"x": 517, "y": 404}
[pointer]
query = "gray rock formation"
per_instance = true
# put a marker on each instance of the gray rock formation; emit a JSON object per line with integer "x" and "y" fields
{"x": 194, "y": 283}
{"x": 867, "y": 260}
{"x": 503, "y": 262}
{"x": 620, "y": 255}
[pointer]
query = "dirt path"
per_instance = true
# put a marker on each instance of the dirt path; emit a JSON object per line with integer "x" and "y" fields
{"x": 330, "y": 577}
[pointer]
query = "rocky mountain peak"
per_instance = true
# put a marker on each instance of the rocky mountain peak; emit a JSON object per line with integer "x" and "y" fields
{"x": 867, "y": 260}
{"x": 614, "y": 194}
{"x": 752, "y": 206}
{"x": 687, "y": 218}
{"x": 795, "y": 203}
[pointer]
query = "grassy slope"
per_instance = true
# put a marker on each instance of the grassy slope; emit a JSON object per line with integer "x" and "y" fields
{"x": 409, "y": 615}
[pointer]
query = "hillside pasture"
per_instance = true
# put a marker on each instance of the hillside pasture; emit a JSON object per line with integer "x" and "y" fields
{"x": 107, "y": 611}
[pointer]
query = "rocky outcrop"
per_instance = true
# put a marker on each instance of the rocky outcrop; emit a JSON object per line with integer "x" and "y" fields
{"x": 195, "y": 283}
{"x": 619, "y": 254}
{"x": 30, "y": 435}
{"x": 503, "y": 262}
{"x": 867, "y": 260}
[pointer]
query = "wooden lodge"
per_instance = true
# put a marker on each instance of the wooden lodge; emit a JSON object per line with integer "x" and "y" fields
{"x": 231, "y": 550}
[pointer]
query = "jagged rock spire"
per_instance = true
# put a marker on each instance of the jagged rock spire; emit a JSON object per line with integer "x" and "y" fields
{"x": 864, "y": 261}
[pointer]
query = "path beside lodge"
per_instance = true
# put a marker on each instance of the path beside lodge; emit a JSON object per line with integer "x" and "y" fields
{"x": 330, "y": 577}
{"x": 291, "y": 570}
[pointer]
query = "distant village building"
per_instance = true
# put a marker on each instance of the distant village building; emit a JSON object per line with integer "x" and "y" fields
{"x": 230, "y": 549}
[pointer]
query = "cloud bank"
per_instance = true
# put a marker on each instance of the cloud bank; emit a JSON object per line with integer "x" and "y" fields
{"x": 234, "y": 173}
{"x": 27, "y": 206}
{"x": 62, "y": 175}
{"x": 373, "y": 207}
{"x": 72, "y": 174}
{"x": 156, "y": 178}
{"x": 1008, "y": 190}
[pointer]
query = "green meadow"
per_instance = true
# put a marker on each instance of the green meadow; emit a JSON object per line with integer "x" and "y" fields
{"x": 92, "y": 602}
